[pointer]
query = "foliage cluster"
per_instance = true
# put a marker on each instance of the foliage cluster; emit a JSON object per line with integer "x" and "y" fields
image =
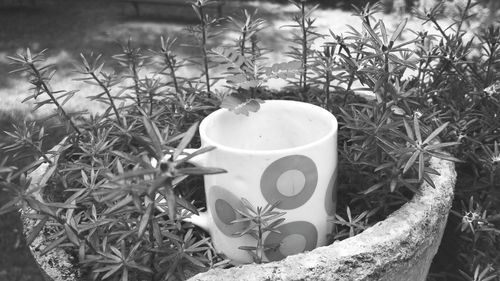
{"x": 122, "y": 213}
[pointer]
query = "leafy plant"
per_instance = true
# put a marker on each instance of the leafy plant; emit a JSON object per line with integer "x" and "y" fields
{"x": 123, "y": 216}
{"x": 262, "y": 221}
{"x": 203, "y": 33}
{"x": 303, "y": 37}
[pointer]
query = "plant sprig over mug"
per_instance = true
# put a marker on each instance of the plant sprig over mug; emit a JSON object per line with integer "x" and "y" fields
{"x": 262, "y": 221}
{"x": 106, "y": 196}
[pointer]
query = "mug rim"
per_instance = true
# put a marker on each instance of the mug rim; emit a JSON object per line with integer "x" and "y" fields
{"x": 210, "y": 142}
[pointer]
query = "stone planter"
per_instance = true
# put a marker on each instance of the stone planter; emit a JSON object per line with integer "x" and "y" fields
{"x": 400, "y": 247}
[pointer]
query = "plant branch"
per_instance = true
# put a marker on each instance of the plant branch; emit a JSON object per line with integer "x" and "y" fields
{"x": 108, "y": 94}
{"x": 47, "y": 90}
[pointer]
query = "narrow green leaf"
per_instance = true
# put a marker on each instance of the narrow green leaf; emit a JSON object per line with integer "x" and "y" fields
{"x": 40, "y": 206}
{"x": 36, "y": 230}
{"x": 171, "y": 201}
{"x": 104, "y": 268}
{"x": 428, "y": 179}
{"x": 61, "y": 205}
{"x": 154, "y": 135}
{"x": 373, "y": 188}
{"x": 48, "y": 173}
{"x": 383, "y": 31}
{"x": 134, "y": 173}
{"x": 188, "y": 136}
{"x": 157, "y": 232}
{"x": 196, "y": 153}
{"x": 122, "y": 203}
{"x": 383, "y": 166}
{"x": 139, "y": 267}
{"x": 187, "y": 205}
{"x": 114, "y": 269}
{"x": 372, "y": 34}
{"x": 411, "y": 161}
{"x": 440, "y": 145}
{"x": 194, "y": 261}
{"x": 10, "y": 206}
{"x": 81, "y": 251}
{"x": 53, "y": 245}
{"x": 416, "y": 126}
{"x": 201, "y": 171}
{"x": 145, "y": 220}
{"x": 436, "y": 132}
{"x": 73, "y": 238}
{"x": 421, "y": 166}
{"x": 399, "y": 30}
{"x": 409, "y": 131}
{"x": 274, "y": 224}
{"x": 393, "y": 184}
{"x": 444, "y": 156}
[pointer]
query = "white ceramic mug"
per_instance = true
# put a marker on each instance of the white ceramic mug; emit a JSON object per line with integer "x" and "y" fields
{"x": 287, "y": 153}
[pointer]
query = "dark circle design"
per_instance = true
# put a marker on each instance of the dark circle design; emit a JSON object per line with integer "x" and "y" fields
{"x": 331, "y": 194}
{"x": 281, "y": 244}
{"x": 270, "y": 177}
{"x": 224, "y": 211}
{"x": 222, "y": 205}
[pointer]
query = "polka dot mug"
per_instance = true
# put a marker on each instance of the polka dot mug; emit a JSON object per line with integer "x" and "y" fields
{"x": 287, "y": 153}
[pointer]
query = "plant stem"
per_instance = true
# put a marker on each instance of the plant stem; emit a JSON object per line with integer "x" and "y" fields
{"x": 151, "y": 99}
{"x": 260, "y": 247}
{"x": 204, "y": 47}
{"x": 387, "y": 80}
{"x": 47, "y": 90}
{"x": 327, "y": 88}
{"x": 136, "y": 83}
{"x": 491, "y": 60}
{"x": 170, "y": 65}
{"x": 242, "y": 44}
{"x": 463, "y": 17}
{"x": 419, "y": 79}
{"x": 253, "y": 40}
{"x": 253, "y": 51}
{"x": 152, "y": 242}
{"x": 304, "y": 45}
{"x": 108, "y": 94}
{"x": 436, "y": 24}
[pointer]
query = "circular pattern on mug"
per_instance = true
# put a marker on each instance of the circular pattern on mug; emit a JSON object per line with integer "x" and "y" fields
{"x": 293, "y": 244}
{"x": 293, "y": 238}
{"x": 291, "y": 183}
{"x": 331, "y": 195}
{"x": 291, "y": 180}
{"x": 222, "y": 205}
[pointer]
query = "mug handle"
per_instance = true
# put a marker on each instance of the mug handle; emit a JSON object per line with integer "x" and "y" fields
{"x": 203, "y": 219}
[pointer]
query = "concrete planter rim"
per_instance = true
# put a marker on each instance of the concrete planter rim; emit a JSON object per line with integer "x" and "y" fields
{"x": 401, "y": 245}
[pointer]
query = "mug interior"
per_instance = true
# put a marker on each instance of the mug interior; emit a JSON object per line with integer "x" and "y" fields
{"x": 277, "y": 125}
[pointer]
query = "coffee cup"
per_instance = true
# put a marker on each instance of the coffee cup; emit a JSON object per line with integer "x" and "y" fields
{"x": 283, "y": 154}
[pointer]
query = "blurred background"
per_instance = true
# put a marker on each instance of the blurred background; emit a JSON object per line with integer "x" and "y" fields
{"x": 67, "y": 28}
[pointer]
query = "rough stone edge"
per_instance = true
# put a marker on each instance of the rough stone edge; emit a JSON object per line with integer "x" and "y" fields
{"x": 395, "y": 247}
{"x": 56, "y": 264}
